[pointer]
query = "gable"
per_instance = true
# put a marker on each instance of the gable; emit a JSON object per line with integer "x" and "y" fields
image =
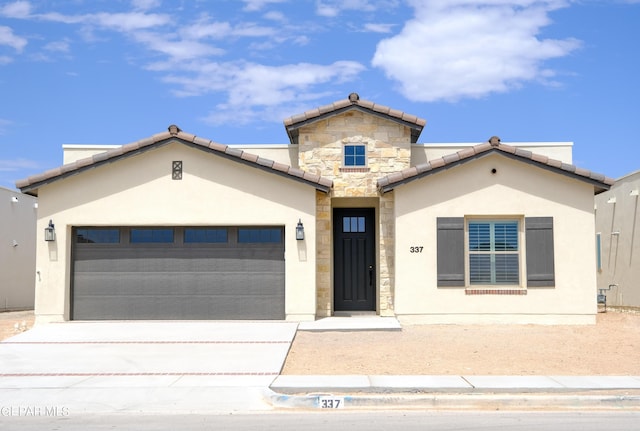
{"x": 173, "y": 135}
{"x": 388, "y": 183}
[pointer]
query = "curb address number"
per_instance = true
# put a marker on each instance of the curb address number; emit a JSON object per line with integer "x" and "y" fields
{"x": 331, "y": 402}
{"x": 416, "y": 249}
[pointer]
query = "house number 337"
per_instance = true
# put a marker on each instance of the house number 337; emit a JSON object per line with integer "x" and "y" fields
{"x": 416, "y": 249}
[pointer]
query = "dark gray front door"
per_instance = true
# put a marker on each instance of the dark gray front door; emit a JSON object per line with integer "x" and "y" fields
{"x": 354, "y": 259}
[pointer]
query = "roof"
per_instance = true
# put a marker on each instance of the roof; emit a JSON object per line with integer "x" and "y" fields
{"x": 391, "y": 181}
{"x": 293, "y": 123}
{"x": 173, "y": 134}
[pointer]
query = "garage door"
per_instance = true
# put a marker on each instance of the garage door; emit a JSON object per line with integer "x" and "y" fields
{"x": 178, "y": 273}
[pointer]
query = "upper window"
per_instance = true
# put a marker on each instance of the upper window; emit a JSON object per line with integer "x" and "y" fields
{"x": 205, "y": 235}
{"x": 97, "y": 235}
{"x": 494, "y": 252}
{"x": 355, "y": 155}
{"x": 259, "y": 235}
{"x": 150, "y": 235}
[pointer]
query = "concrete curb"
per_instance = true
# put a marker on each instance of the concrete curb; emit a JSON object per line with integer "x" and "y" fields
{"x": 467, "y": 401}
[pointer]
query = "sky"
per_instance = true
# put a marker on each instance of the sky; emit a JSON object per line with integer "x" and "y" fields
{"x": 116, "y": 71}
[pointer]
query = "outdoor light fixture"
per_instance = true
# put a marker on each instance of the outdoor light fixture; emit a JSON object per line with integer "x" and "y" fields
{"x": 50, "y": 232}
{"x": 612, "y": 200}
{"x": 299, "y": 231}
{"x": 14, "y": 199}
{"x": 634, "y": 192}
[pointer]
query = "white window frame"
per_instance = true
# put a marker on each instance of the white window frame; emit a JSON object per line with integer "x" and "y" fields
{"x": 520, "y": 252}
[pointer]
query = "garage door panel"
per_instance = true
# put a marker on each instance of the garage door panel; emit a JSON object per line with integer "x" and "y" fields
{"x": 178, "y": 281}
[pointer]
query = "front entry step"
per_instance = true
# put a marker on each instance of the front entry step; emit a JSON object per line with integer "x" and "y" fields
{"x": 359, "y": 323}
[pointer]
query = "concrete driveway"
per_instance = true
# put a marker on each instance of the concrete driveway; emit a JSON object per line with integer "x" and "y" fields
{"x": 146, "y": 353}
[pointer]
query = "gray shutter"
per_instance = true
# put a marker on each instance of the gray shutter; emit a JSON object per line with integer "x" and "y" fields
{"x": 450, "y": 251}
{"x": 539, "y": 243}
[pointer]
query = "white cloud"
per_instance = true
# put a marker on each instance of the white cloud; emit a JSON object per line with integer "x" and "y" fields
{"x": 177, "y": 50}
{"x": 145, "y": 4}
{"x": 5, "y": 60}
{"x": 8, "y": 38}
{"x": 17, "y": 164}
{"x": 455, "y": 49}
{"x": 332, "y": 8}
{"x": 57, "y": 46}
{"x": 18, "y": 9}
{"x": 378, "y": 27}
{"x": 256, "y": 5}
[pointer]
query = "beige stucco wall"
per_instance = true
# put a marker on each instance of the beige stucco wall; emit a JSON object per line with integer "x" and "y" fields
{"x": 139, "y": 191}
{"x": 516, "y": 189}
{"x": 421, "y": 153}
{"x": 618, "y": 224}
{"x": 17, "y": 250}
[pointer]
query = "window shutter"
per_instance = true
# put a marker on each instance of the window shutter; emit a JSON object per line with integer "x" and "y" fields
{"x": 450, "y": 251}
{"x": 540, "y": 255}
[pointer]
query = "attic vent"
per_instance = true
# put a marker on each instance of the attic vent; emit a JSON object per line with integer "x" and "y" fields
{"x": 174, "y": 130}
{"x": 354, "y": 97}
{"x": 494, "y": 141}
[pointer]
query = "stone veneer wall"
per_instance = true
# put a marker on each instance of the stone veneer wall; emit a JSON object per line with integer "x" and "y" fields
{"x": 320, "y": 152}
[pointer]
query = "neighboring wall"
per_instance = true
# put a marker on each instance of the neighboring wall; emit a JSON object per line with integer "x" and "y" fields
{"x": 617, "y": 226}
{"x": 17, "y": 250}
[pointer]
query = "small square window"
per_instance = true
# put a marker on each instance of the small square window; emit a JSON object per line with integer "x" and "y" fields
{"x": 355, "y": 155}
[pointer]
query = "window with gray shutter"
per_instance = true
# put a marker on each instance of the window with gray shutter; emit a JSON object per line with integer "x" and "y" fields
{"x": 450, "y": 249}
{"x": 540, "y": 252}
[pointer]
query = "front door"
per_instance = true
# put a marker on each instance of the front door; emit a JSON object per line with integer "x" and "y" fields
{"x": 354, "y": 259}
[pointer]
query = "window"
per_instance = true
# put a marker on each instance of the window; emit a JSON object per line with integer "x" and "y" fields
{"x": 494, "y": 252}
{"x": 353, "y": 224}
{"x": 491, "y": 251}
{"x": 355, "y": 155}
{"x": 97, "y": 236}
{"x": 205, "y": 235}
{"x": 162, "y": 235}
{"x": 259, "y": 235}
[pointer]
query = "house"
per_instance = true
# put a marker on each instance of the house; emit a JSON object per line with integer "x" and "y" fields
{"x": 618, "y": 241}
{"x": 352, "y": 216}
{"x": 17, "y": 250}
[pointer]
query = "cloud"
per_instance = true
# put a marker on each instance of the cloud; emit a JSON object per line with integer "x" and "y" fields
{"x": 145, "y": 4}
{"x": 5, "y": 60}
{"x": 333, "y": 8}
{"x": 378, "y": 27}
{"x": 18, "y": 9}
{"x": 8, "y": 38}
{"x": 17, "y": 164}
{"x": 4, "y": 124}
{"x": 58, "y": 46}
{"x": 470, "y": 48}
{"x": 256, "y": 5}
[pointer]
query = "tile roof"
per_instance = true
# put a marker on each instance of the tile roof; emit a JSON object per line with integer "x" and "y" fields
{"x": 353, "y": 101}
{"x": 30, "y": 185}
{"x": 391, "y": 181}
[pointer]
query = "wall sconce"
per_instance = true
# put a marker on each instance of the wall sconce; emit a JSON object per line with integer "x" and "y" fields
{"x": 50, "y": 232}
{"x": 299, "y": 231}
{"x": 14, "y": 199}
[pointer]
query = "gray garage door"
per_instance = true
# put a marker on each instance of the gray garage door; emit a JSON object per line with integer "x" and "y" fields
{"x": 178, "y": 273}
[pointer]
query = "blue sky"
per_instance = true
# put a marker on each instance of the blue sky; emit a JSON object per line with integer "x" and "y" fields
{"x": 115, "y": 71}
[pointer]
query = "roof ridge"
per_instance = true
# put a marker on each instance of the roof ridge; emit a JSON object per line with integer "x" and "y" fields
{"x": 173, "y": 131}
{"x": 493, "y": 144}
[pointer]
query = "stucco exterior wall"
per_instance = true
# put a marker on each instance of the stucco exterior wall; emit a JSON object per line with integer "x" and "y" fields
{"x": 618, "y": 223}
{"x": 516, "y": 189}
{"x": 17, "y": 250}
{"x": 139, "y": 191}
